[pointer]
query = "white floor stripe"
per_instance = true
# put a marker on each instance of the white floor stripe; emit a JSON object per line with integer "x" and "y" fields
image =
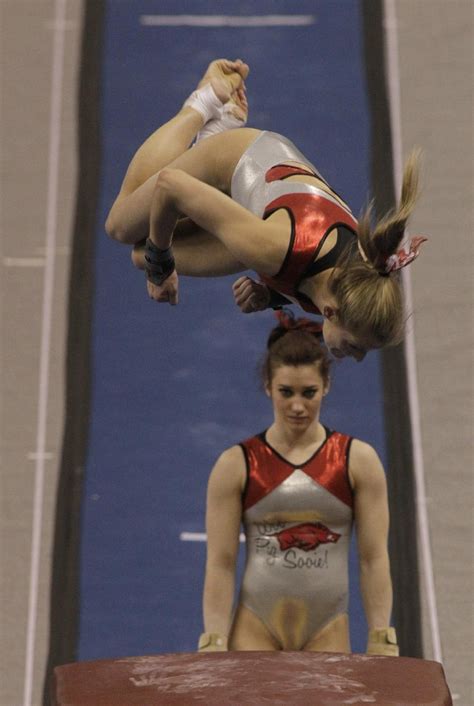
{"x": 45, "y": 346}
{"x": 227, "y": 20}
{"x": 24, "y": 261}
{"x": 60, "y": 250}
{"x": 393, "y": 76}
{"x": 201, "y": 537}
{"x": 45, "y": 455}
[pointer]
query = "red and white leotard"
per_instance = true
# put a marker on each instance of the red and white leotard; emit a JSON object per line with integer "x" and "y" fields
{"x": 260, "y": 183}
{"x": 298, "y": 522}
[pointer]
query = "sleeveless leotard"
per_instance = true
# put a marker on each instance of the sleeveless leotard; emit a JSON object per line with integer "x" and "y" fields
{"x": 297, "y": 521}
{"x": 260, "y": 183}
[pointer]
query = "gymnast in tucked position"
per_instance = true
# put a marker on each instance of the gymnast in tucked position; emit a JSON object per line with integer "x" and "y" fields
{"x": 241, "y": 199}
{"x": 297, "y": 488}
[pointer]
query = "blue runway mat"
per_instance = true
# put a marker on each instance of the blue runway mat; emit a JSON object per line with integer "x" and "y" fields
{"x": 173, "y": 387}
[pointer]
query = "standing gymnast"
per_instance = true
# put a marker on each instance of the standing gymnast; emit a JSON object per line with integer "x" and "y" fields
{"x": 249, "y": 199}
{"x": 297, "y": 488}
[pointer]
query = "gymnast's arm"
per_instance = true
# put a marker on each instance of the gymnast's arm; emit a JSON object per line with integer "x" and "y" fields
{"x": 223, "y": 517}
{"x": 372, "y": 521}
{"x": 180, "y": 194}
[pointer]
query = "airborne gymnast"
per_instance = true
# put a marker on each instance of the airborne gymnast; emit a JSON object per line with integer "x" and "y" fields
{"x": 205, "y": 196}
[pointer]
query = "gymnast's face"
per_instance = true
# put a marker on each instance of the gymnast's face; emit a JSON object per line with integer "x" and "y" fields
{"x": 341, "y": 343}
{"x": 296, "y": 392}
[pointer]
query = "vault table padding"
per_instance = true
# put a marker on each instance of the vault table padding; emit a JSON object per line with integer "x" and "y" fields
{"x": 252, "y": 679}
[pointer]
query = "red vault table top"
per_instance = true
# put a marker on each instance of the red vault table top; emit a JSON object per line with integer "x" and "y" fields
{"x": 252, "y": 679}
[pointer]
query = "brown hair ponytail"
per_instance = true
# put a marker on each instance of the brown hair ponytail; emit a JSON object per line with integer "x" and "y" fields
{"x": 369, "y": 299}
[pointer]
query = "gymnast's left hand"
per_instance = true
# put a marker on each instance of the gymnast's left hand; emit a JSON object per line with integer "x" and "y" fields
{"x": 250, "y": 295}
{"x": 383, "y": 641}
{"x": 166, "y": 292}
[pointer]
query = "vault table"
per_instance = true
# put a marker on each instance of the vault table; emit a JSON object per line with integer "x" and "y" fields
{"x": 252, "y": 679}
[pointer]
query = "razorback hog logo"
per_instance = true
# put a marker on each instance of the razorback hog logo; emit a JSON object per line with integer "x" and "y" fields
{"x": 307, "y": 536}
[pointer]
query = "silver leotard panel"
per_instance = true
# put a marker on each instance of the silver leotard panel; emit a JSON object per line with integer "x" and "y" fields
{"x": 296, "y": 573}
{"x": 248, "y": 185}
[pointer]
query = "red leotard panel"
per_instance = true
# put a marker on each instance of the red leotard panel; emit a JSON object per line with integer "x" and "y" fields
{"x": 313, "y": 216}
{"x": 267, "y": 469}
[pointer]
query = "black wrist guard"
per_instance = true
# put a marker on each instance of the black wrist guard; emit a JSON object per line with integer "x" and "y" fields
{"x": 159, "y": 264}
{"x": 277, "y": 300}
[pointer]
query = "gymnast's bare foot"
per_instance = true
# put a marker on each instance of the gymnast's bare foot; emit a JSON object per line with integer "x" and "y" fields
{"x": 233, "y": 114}
{"x": 238, "y": 105}
{"x": 226, "y": 77}
{"x": 221, "y": 77}
{"x": 222, "y": 82}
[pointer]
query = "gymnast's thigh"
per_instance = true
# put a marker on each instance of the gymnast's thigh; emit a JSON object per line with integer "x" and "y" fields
{"x": 333, "y": 637}
{"x": 249, "y": 632}
{"x": 200, "y": 254}
{"x": 213, "y": 160}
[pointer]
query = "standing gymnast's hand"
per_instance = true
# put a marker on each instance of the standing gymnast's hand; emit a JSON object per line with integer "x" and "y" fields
{"x": 167, "y": 292}
{"x": 250, "y": 295}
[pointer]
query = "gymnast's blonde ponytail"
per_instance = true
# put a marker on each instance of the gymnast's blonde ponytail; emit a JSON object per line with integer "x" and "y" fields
{"x": 384, "y": 239}
{"x": 368, "y": 296}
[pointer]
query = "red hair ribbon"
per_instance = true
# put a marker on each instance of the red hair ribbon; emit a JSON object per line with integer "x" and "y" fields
{"x": 402, "y": 258}
{"x": 288, "y": 321}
